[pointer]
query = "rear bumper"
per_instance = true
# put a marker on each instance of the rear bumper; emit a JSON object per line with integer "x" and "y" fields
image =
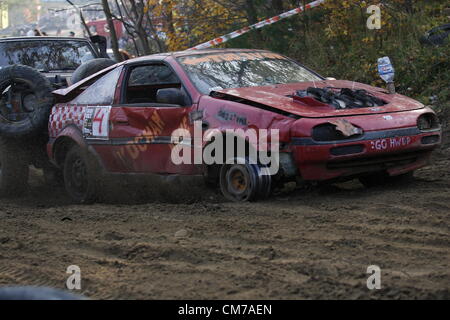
{"x": 395, "y": 151}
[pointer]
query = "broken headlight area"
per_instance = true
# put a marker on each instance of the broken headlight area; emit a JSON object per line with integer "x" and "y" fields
{"x": 428, "y": 121}
{"x": 343, "y": 98}
{"x": 331, "y": 132}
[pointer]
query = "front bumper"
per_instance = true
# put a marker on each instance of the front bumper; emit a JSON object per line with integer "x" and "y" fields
{"x": 395, "y": 151}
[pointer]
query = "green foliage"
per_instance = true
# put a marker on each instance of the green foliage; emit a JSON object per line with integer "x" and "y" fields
{"x": 421, "y": 71}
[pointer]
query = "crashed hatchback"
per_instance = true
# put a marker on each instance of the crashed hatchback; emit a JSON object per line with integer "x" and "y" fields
{"x": 129, "y": 118}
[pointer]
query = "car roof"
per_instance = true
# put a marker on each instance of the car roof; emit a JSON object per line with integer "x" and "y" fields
{"x": 177, "y": 54}
{"x": 38, "y": 38}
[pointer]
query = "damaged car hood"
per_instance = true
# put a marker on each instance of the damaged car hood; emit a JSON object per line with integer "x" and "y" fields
{"x": 281, "y": 97}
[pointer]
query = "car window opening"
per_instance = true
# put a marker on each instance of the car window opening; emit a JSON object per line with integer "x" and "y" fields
{"x": 144, "y": 82}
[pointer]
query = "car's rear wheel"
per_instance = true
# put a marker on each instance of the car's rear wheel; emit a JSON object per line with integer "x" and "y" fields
{"x": 244, "y": 182}
{"x": 14, "y": 170}
{"x": 81, "y": 175}
{"x": 383, "y": 178}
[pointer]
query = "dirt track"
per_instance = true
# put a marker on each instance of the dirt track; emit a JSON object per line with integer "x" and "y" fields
{"x": 313, "y": 243}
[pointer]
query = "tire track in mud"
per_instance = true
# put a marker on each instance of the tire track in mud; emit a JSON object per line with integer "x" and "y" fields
{"x": 309, "y": 243}
{"x": 26, "y": 276}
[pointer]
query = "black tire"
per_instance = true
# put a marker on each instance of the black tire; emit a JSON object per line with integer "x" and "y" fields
{"x": 13, "y": 170}
{"x": 244, "y": 182}
{"x": 81, "y": 175}
{"x": 25, "y": 101}
{"x": 382, "y": 179}
{"x": 436, "y": 36}
{"x": 91, "y": 67}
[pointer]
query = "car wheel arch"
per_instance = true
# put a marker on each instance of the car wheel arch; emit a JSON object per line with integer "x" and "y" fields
{"x": 69, "y": 137}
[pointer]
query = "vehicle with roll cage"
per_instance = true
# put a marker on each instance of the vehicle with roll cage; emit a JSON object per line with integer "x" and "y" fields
{"x": 122, "y": 120}
{"x": 30, "y": 69}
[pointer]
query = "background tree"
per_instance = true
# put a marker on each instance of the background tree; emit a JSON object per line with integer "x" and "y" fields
{"x": 139, "y": 23}
{"x": 112, "y": 30}
{"x": 333, "y": 38}
{"x": 189, "y": 22}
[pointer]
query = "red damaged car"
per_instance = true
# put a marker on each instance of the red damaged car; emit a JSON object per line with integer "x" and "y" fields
{"x": 122, "y": 120}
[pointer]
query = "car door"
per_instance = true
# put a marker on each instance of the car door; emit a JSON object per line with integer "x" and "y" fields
{"x": 141, "y": 127}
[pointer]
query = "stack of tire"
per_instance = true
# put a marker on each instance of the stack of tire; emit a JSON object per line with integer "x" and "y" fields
{"x": 26, "y": 100}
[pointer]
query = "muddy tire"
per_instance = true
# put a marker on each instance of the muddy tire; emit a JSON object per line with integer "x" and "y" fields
{"x": 244, "y": 182}
{"x": 13, "y": 170}
{"x": 81, "y": 176}
{"x": 25, "y": 101}
{"x": 91, "y": 67}
{"x": 383, "y": 179}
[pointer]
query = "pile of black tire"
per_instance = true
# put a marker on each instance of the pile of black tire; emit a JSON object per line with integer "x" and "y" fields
{"x": 26, "y": 101}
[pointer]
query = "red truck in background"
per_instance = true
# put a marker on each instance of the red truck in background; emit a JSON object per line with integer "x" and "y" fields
{"x": 101, "y": 28}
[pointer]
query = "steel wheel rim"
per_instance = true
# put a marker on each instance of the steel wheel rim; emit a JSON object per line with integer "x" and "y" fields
{"x": 238, "y": 182}
{"x": 16, "y": 106}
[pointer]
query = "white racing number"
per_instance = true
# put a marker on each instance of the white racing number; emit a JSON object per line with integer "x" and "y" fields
{"x": 96, "y": 122}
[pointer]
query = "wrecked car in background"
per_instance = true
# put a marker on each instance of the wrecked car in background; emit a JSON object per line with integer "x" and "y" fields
{"x": 30, "y": 69}
{"x": 122, "y": 120}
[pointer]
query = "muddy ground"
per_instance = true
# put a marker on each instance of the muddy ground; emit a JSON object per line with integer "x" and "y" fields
{"x": 301, "y": 244}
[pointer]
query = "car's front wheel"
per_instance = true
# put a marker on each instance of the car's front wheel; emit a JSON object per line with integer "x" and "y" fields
{"x": 244, "y": 181}
{"x": 81, "y": 176}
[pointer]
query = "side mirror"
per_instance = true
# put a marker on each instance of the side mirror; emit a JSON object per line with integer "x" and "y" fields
{"x": 170, "y": 96}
